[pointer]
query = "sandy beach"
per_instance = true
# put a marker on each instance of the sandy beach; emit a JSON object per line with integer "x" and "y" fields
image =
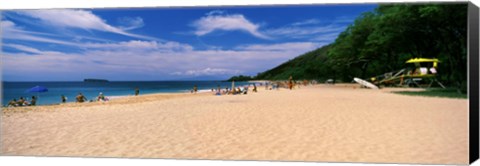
{"x": 341, "y": 123}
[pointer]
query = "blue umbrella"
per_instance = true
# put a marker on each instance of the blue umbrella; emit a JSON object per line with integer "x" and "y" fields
{"x": 37, "y": 89}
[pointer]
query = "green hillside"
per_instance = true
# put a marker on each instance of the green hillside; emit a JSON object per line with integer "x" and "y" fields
{"x": 382, "y": 40}
{"x": 310, "y": 65}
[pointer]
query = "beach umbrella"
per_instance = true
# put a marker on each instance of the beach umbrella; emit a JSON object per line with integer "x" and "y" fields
{"x": 37, "y": 89}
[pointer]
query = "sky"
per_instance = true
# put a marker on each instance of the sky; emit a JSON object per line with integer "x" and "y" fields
{"x": 146, "y": 44}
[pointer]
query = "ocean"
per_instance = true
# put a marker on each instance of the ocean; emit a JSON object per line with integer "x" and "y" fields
{"x": 15, "y": 90}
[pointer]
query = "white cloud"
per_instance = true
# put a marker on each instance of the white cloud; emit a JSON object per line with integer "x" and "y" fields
{"x": 311, "y": 29}
{"x": 23, "y": 48}
{"x": 215, "y": 12}
{"x": 140, "y": 45}
{"x": 306, "y": 22}
{"x": 304, "y": 31}
{"x": 281, "y": 46}
{"x": 11, "y": 31}
{"x": 234, "y": 22}
{"x": 129, "y": 23}
{"x": 70, "y": 18}
{"x": 148, "y": 60}
{"x": 7, "y": 24}
{"x": 78, "y": 38}
{"x": 207, "y": 72}
{"x": 34, "y": 51}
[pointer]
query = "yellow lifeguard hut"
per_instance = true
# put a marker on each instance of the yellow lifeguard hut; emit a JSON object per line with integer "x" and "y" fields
{"x": 422, "y": 74}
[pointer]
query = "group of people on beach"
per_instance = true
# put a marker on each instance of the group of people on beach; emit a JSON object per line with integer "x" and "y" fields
{"x": 235, "y": 91}
{"x": 289, "y": 84}
{"x": 269, "y": 85}
{"x": 22, "y": 102}
{"x": 80, "y": 98}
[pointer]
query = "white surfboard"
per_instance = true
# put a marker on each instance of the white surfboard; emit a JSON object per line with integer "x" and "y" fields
{"x": 365, "y": 83}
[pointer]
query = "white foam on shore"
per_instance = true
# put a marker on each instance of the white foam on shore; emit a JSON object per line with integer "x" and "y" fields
{"x": 183, "y": 91}
{"x": 117, "y": 97}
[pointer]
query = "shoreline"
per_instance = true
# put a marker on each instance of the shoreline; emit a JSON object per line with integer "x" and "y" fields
{"x": 158, "y": 96}
{"x": 116, "y": 94}
{"x": 117, "y": 99}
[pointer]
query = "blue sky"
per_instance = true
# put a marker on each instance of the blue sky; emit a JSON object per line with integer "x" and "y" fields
{"x": 163, "y": 43}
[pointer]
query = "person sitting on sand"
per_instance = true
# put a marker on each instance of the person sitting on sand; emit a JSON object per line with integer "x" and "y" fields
{"x": 12, "y": 103}
{"x": 101, "y": 97}
{"x": 218, "y": 92}
{"x": 33, "y": 102}
{"x": 21, "y": 101}
{"x": 80, "y": 98}
{"x": 25, "y": 102}
{"x": 245, "y": 90}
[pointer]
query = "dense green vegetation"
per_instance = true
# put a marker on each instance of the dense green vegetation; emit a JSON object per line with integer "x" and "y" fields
{"x": 449, "y": 93}
{"x": 240, "y": 78}
{"x": 311, "y": 65}
{"x": 382, "y": 40}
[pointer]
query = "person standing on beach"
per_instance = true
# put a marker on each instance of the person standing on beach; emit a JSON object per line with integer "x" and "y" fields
{"x": 290, "y": 82}
{"x": 195, "y": 89}
{"x": 81, "y": 98}
{"x": 137, "y": 91}
{"x": 64, "y": 99}
{"x": 254, "y": 88}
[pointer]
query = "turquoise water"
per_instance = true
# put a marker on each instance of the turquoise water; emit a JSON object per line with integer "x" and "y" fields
{"x": 90, "y": 90}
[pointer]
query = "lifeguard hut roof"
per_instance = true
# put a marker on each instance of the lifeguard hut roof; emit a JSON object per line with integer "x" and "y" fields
{"x": 418, "y": 60}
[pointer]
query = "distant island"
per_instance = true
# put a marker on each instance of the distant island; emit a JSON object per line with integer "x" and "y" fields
{"x": 94, "y": 80}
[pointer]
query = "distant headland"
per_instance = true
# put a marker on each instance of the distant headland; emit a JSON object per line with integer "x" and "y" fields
{"x": 94, "y": 80}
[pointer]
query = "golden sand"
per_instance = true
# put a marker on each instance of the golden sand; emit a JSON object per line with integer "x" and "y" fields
{"x": 341, "y": 123}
